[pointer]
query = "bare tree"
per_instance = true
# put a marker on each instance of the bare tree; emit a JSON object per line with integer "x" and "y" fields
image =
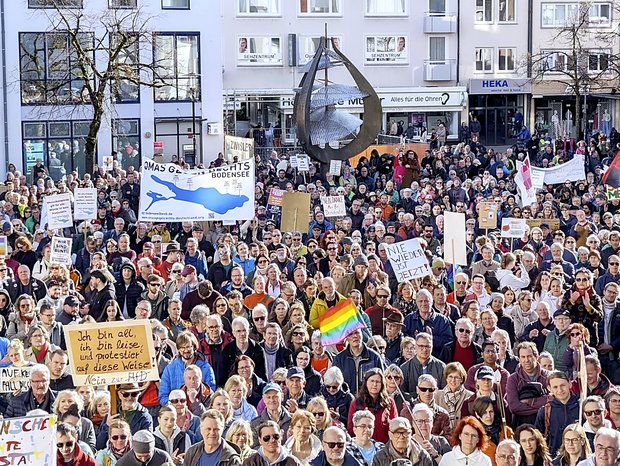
{"x": 88, "y": 61}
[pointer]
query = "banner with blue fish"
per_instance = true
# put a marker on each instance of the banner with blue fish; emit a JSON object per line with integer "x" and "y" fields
{"x": 171, "y": 194}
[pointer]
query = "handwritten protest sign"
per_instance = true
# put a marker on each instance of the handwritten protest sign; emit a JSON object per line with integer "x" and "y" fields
{"x": 335, "y": 167}
{"x": 408, "y": 260}
{"x": 293, "y": 161}
{"x": 333, "y": 206}
{"x": 61, "y": 250}
{"x": 14, "y": 379}
{"x": 3, "y": 243}
{"x": 85, "y": 203}
{"x": 111, "y": 353}
{"x": 58, "y": 211}
{"x": 28, "y": 440}
{"x": 513, "y": 227}
{"x": 487, "y": 215}
{"x": 303, "y": 162}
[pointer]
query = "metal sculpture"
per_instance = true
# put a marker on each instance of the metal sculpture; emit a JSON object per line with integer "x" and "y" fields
{"x": 318, "y": 121}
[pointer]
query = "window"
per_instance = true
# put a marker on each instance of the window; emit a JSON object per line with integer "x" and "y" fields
{"x": 259, "y": 51}
{"x": 598, "y": 61}
{"x": 484, "y": 11}
{"x": 177, "y": 66}
{"x": 175, "y": 4}
{"x": 122, "y": 3}
{"x": 437, "y": 49}
{"x": 507, "y": 11}
{"x": 437, "y": 7}
{"x": 60, "y": 144}
{"x": 600, "y": 14}
{"x": 558, "y": 14}
{"x": 506, "y": 59}
{"x": 386, "y": 49}
{"x": 307, "y": 45}
{"x": 127, "y": 64}
{"x": 49, "y": 71}
{"x": 484, "y": 59}
{"x": 386, "y": 7}
{"x": 320, "y": 7}
{"x": 259, "y": 7}
{"x": 126, "y": 142}
{"x": 55, "y": 3}
{"x": 558, "y": 62}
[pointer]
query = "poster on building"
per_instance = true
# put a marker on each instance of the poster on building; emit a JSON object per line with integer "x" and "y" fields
{"x": 333, "y": 206}
{"x": 295, "y": 212}
{"x": 61, "y": 250}
{"x": 259, "y": 51}
{"x": 513, "y": 227}
{"x": 387, "y": 49}
{"x": 57, "y": 211}
{"x": 308, "y": 45}
{"x": 237, "y": 149}
{"x": 408, "y": 260}
{"x": 85, "y": 203}
{"x": 28, "y": 440}
{"x": 487, "y": 215}
{"x": 171, "y": 194}
{"x": 111, "y": 353}
{"x": 335, "y": 167}
{"x": 14, "y": 379}
{"x": 455, "y": 247}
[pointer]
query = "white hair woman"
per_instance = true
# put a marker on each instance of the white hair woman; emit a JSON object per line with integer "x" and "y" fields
{"x": 237, "y": 389}
{"x": 363, "y": 428}
{"x": 240, "y": 434}
{"x": 336, "y": 394}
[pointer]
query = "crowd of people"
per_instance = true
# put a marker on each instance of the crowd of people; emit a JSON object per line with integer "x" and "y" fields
{"x": 478, "y": 364}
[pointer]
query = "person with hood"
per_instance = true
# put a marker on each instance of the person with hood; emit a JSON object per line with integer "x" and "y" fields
{"x": 169, "y": 437}
{"x": 328, "y": 297}
{"x": 155, "y": 295}
{"x": 213, "y": 449}
{"x": 557, "y": 340}
{"x": 143, "y": 452}
{"x": 321, "y": 222}
{"x": 6, "y": 309}
{"x": 128, "y": 290}
{"x": 401, "y": 446}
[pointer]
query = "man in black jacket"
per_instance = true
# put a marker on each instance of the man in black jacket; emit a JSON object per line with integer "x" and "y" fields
{"x": 243, "y": 345}
{"x": 25, "y": 284}
{"x": 104, "y": 292}
{"x": 128, "y": 290}
{"x": 276, "y": 355}
{"x": 39, "y": 396}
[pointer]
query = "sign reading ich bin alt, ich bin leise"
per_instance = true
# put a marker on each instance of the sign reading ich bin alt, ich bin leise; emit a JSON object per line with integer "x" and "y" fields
{"x": 111, "y": 353}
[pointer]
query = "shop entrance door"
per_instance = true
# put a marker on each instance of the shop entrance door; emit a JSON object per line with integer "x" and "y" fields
{"x": 495, "y": 131}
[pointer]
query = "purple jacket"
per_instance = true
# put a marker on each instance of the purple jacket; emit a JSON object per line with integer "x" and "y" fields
{"x": 515, "y": 382}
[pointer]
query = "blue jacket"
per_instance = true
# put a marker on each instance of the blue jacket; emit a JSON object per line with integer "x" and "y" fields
{"x": 197, "y": 261}
{"x": 247, "y": 265}
{"x": 443, "y": 332}
{"x": 603, "y": 280}
{"x": 141, "y": 420}
{"x": 560, "y": 416}
{"x": 354, "y": 372}
{"x": 172, "y": 378}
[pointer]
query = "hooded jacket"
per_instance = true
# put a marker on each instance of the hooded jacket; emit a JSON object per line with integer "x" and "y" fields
{"x": 553, "y": 422}
{"x": 128, "y": 295}
{"x": 319, "y": 307}
{"x": 159, "y": 306}
{"x": 172, "y": 377}
{"x": 180, "y": 441}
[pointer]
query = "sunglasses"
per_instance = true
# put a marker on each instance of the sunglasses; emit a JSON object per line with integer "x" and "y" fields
{"x": 575, "y": 334}
{"x": 595, "y": 412}
{"x": 119, "y": 437}
{"x": 461, "y": 283}
{"x": 68, "y": 444}
{"x": 332, "y": 387}
{"x": 464, "y": 330}
{"x": 178, "y": 401}
{"x": 614, "y": 263}
{"x": 129, "y": 395}
{"x": 267, "y": 438}
{"x": 427, "y": 389}
{"x": 259, "y": 319}
{"x": 319, "y": 414}
{"x": 335, "y": 444}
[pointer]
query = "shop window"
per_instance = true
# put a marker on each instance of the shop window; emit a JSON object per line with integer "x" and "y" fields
{"x": 177, "y": 65}
{"x": 484, "y": 59}
{"x": 175, "y": 4}
{"x": 558, "y": 14}
{"x": 558, "y": 62}
{"x": 386, "y": 7}
{"x": 437, "y": 7}
{"x": 386, "y": 50}
{"x": 320, "y": 7}
{"x": 128, "y": 61}
{"x": 484, "y": 11}
{"x": 55, "y": 3}
{"x": 259, "y": 7}
{"x": 259, "y": 51}
{"x": 126, "y": 142}
{"x": 507, "y": 11}
{"x": 506, "y": 59}
{"x": 307, "y": 45}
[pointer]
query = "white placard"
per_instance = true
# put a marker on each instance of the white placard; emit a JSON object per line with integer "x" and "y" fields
{"x": 15, "y": 379}
{"x": 303, "y": 163}
{"x": 29, "y": 440}
{"x": 408, "y": 260}
{"x": 85, "y": 203}
{"x": 58, "y": 211}
{"x": 293, "y": 161}
{"x": 61, "y": 250}
{"x": 513, "y": 227}
{"x": 333, "y": 206}
{"x": 335, "y": 167}
{"x": 108, "y": 163}
{"x": 455, "y": 248}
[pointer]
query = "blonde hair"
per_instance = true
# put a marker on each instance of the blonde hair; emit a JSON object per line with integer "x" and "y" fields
{"x": 236, "y": 381}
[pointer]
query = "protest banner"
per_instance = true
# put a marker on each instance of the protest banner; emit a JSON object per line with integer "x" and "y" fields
{"x": 293, "y": 161}
{"x": 333, "y": 206}
{"x": 408, "y": 260}
{"x": 13, "y": 379}
{"x": 554, "y": 223}
{"x": 57, "y": 211}
{"x": 455, "y": 247}
{"x": 274, "y": 204}
{"x": 487, "y": 215}
{"x": 612, "y": 193}
{"x": 108, "y": 163}
{"x": 85, "y": 203}
{"x": 239, "y": 148}
{"x": 61, "y": 250}
{"x": 28, "y": 440}
{"x": 573, "y": 170}
{"x": 335, "y": 167}
{"x": 111, "y": 353}
{"x": 303, "y": 162}
{"x": 295, "y": 212}
{"x": 513, "y": 227}
{"x": 171, "y": 194}
{"x": 3, "y": 243}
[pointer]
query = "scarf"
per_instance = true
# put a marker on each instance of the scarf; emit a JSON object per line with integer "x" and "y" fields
{"x": 494, "y": 431}
{"x": 270, "y": 359}
{"x": 119, "y": 453}
{"x": 452, "y": 400}
{"x": 40, "y": 353}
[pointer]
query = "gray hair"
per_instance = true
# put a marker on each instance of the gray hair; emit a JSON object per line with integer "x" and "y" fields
{"x": 425, "y": 292}
{"x": 333, "y": 375}
{"x": 394, "y": 369}
{"x": 240, "y": 321}
{"x": 198, "y": 313}
{"x": 425, "y": 336}
{"x": 611, "y": 433}
{"x": 40, "y": 369}
{"x": 316, "y": 335}
{"x": 511, "y": 444}
{"x": 427, "y": 378}
{"x": 363, "y": 414}
{"x": 421, "y": 407}
{"x": 466, "y": 321}
{"x": 594, "y": 399}
{"x": 215, "y": 318}
{"x": 259, "y": 307}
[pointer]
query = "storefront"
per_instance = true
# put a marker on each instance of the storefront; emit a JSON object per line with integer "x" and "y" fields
{"x": 501, "y": 107}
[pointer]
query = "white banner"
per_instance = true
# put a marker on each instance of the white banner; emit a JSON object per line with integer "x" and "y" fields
{"x": 303, "y": 163}
{"x": 525, "y": 182}
{"x": 170, "y": 194}
{"x": 455, "y": 247}
{"x": 408, "y": 260}
{"x": 58, "y": 211}
{"x": 513, "y": 227}
{"x": 29, "y": 440}
{"x": 61, "y": 250}
{"x": 333, "y": 206}
{"x": 573, "y": 170}
{"x": 85, "y": 203}
{"x": 335, "y": 167}
{"x": 242, "y": 148}
{"x": 14, "y": 379}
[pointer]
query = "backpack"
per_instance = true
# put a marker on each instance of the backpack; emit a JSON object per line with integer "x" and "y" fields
{"x": 491, "y": 278}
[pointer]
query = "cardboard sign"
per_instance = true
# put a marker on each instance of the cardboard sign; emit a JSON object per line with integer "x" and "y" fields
{"x": 455, "y": 248}
{"x": 111, "y": 353}
{"x": 487, "y": 215}
{"x": 408, "y": 260}
{"x": 85, "y": 203}
{"x": 3, "y": 244}
{"x": 295, "y": 212}
{"x": 303, "y": 163}
{"x": 333, "y": 206}
{"x": 61, "y": 250}
{"x": 554, "y": 223}
{"x": 335, "y": 167}
{"x": 513, "y": 227}
{"x": 240, "y": 148}
{"x": 58, "y": 211}
{"x": 28, "y": 440}
{"x": 13, "y": 379}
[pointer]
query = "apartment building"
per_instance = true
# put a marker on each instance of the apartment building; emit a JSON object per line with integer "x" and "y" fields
{"x": 182, "y": 115}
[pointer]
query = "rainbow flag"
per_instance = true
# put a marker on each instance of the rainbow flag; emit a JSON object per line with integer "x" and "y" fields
{"x": 338, "y": 322}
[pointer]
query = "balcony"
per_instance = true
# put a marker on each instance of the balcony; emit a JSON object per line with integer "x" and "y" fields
{"x": 439, "y": 70}
{"x": 439, "y": 23}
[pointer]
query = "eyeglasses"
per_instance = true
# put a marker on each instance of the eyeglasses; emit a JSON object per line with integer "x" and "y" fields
{"x": 119, "y": 437}
{"x": 464, "y": 330}
{"x": 68, "y": 444}
{"x": 614, "y": 263}
{"x": 382, "y": 296}
{"x": 178, "y": 401}
{"x": 608, "y": 450}
{"x": 298, "y": 334}
{"x": 176, "y": 271}
{"x": 259, "y": 319}
{"x": 365, "y": 426}
{"x": 129, "y": 395}
{"x": 427, "y": 389}
{"x": 581, "y": 280}
{"x": 594, "y": 412}
{"x": 268, "y": 438}
{"x": 572, "y": 440}
{"x": 400, "y": 433}
{"x": 461, "y": 282}
{"x": 510, "y": 458}
{"x": 334, "y": 444}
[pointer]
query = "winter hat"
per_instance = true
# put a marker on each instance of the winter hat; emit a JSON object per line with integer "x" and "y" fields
{"x": 143, "y": 442}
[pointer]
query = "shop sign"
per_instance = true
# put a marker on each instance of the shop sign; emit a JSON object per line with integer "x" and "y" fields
{"x": 500, "y": 86}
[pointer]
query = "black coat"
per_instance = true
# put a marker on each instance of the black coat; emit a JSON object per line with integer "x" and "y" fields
{"x": 254, "y": 352}
{"x": 98, "y": 301}
{"x": 130, "y": 293}
{"x": 20, "y": 405}
{"x": 38, "y": 290}
{"x": 447, "y": 353}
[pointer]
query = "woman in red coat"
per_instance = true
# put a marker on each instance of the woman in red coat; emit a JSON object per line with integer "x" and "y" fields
{"x": 374, "y": 397}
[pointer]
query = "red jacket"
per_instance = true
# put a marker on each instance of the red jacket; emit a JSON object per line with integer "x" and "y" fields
{"x": 79, "y": 458}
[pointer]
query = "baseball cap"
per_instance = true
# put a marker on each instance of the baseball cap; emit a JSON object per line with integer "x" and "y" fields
{"x": 187, "y": 270}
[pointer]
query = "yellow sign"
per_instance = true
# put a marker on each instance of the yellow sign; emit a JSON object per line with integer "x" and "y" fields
{"x": 487, "y": 215}
{"x": 111, "y": 353}
{"x": 554, "y": 223}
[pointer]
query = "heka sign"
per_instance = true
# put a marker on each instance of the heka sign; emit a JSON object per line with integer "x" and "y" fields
{"x": 500, "y": 86}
